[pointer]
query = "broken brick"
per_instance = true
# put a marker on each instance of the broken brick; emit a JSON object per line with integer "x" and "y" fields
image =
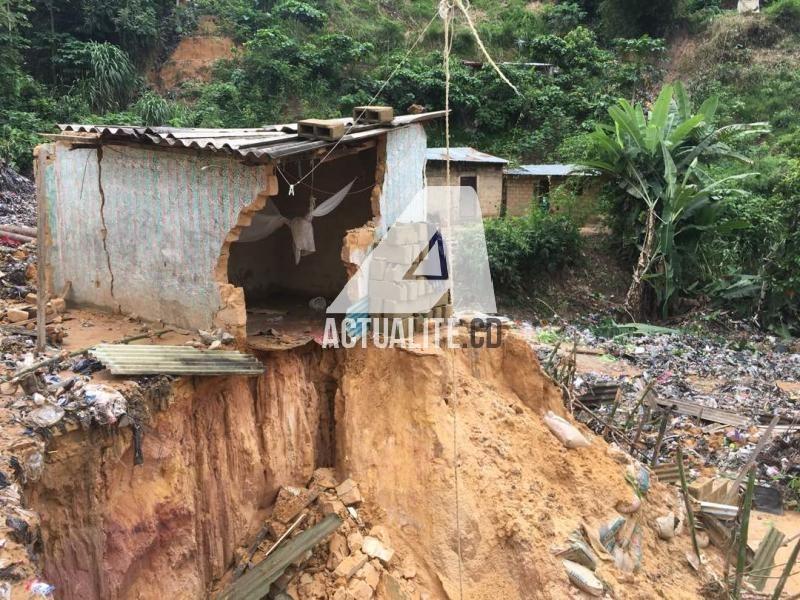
{"x": 290, "y": 501}
{"x": 330, "y": 506}
{"x": 369, "y": 574}
{"x": 348, "y": 492}
{"x": 350, "y": 565}
{"x": 15, "y": 315}
{"x": 324, "y": 478}
{"x": 360, "y": 590}
{"x": 354, "y": 541}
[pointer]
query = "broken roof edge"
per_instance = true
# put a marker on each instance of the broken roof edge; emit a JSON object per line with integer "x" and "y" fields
{"x": 255, "y": 143}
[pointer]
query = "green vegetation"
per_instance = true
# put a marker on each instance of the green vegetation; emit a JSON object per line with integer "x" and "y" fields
{"x": 86, "y": 60}
{"x": 524, "y": 249}
{"x": 667, "y": 196}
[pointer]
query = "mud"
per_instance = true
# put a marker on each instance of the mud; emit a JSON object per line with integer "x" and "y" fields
{"x": 484, "y": 524}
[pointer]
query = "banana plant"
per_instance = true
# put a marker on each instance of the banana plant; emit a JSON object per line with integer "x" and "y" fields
{"x": 658, "y": 158}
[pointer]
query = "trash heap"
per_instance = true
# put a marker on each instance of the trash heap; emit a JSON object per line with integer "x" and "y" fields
{"x": 63, "y": 404}
{"x": 17, "y": 198}
{"x": 357, "y": 560}
{"x": 725, "y": 390}
{"x": 17, "y": 269}
{"x": 747, "y": 365}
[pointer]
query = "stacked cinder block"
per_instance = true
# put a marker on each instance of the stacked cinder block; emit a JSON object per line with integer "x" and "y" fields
{"x": 389, "y": 291}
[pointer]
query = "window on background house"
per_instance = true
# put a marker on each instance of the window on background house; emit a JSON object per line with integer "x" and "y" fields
{"x": 467, "y": 208}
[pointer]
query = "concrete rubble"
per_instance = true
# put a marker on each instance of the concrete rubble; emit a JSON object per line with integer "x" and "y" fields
{"x": 358, "y": 562}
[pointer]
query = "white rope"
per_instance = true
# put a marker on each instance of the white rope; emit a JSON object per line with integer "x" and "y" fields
{"x": 478, "y": 39}
{"x": 355, "y": 121}
{"x": 446, "y": 13}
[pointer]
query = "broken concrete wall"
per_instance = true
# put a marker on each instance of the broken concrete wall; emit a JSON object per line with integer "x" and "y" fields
{"x": 140, "y": 230}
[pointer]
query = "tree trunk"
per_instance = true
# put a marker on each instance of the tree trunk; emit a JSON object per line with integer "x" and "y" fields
{"x": 635, "y": 295}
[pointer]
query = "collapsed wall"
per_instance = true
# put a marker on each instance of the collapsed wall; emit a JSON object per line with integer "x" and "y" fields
{"x": 391, "y": 419}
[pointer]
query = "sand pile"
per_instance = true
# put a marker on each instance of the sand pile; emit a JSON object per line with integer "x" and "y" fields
{"x": 520, "y": 493}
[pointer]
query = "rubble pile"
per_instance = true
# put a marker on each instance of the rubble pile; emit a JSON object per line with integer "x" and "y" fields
{"x": 358, "y": 561}
{"x": 17, "y": 198}
{"x": 17, "y": 270}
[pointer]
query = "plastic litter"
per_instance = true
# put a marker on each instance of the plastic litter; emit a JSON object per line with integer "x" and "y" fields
{"x": 579, "y": 551}
{"x": 639, "y": 477}
{"x": 583, "y": 578}
{"x": 628, "y": 507}
{"x": 107, "y": 404}
{"x": 33, "y": 464}
{"x": 565, "y": 431}
{"x": 46, "y": 416}
{"x": 40, "y": 589}
{"x": 609, "y": 532}
{"x": 665, "y": 526}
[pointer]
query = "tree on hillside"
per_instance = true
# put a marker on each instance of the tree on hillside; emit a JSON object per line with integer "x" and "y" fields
{"x": 659, "y": 160}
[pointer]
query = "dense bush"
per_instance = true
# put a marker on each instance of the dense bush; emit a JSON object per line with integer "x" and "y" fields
{"x": 757, "y": 269}
{"x": 786, "y": 13}
{"x": 522, "y": 249}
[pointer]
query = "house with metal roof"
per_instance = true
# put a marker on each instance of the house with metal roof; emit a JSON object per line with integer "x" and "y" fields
{"x": 205, "y": 228}
{"x": 526, "y": 184}
{"x": 470, "y": 168}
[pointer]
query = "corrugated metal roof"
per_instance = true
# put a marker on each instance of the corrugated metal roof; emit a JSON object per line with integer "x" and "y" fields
{"x": 150, "y": 359}
{"x": 556, "y": 170}
{"x": 464, "y": 154}
{"x": 256, "y": 143}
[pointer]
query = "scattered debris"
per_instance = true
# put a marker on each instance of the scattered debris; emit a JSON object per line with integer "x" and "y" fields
{"x": 565, "y": 431}
{"x": 356, "y": 563}
{"x": 583, "y": 578}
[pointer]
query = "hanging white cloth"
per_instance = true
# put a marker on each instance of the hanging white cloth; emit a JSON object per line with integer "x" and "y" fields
{"x": 269, "y": 220}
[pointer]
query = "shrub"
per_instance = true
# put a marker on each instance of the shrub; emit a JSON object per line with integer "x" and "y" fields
{"x": 522, "y": 248}
{"x": 103, "y": 73}
{"x": 785, "y": 13}
{"x": 302, "y": 13}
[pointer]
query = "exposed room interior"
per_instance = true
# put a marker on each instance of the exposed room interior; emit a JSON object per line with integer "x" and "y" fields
{"x": 279, "y": 280}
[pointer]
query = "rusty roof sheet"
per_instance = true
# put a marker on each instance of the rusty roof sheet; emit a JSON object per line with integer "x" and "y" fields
{"x": 150, "y": 359}
{"x": 255, "y": 143}
{"x": 464, "y": 154}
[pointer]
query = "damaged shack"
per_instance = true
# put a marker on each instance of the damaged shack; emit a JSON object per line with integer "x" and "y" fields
{"x": 205, "y": 228}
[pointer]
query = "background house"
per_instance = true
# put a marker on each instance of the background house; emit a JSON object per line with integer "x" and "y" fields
{"x": 528, "y": 183}
{"x": 470, "y": 168}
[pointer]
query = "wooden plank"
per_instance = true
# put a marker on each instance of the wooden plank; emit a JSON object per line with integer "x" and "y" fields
{"x": 667, "y": 473}
{"x": 705, "y": 413}
{"x": 255, "y": 584}
{"x": 41, "y": 249}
